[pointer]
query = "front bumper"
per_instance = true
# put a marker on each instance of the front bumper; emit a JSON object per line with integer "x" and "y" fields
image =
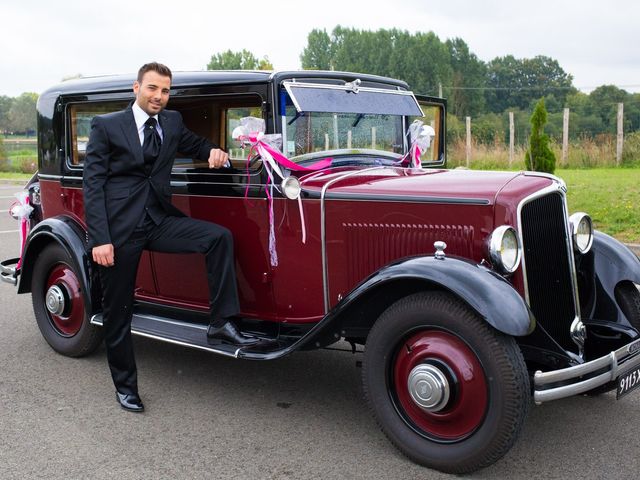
{"x": 8, "y": 273}
{"x": 587, "y": 376}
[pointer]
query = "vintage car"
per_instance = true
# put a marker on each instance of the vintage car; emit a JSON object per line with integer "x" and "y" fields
{"x": 474, "y": 293}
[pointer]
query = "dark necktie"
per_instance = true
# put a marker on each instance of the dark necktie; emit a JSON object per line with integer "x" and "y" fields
{"x": 151, "y": 144}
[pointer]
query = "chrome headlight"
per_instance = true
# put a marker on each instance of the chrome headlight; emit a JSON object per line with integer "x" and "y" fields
{"x": 581, "y": 231}
{"x": 504, "y": 249}
{"x": 291, "y": 188}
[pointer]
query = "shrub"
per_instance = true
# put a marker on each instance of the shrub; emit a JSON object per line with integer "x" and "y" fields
{"x": 631, "y": 150}
{"x": 539, "y": 156}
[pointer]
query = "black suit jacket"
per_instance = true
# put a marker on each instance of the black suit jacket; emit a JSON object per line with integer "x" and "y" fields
{"x": 114, "y": 181}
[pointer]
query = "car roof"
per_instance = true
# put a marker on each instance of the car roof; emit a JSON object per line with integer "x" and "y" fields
{"x": 114, "y": 83}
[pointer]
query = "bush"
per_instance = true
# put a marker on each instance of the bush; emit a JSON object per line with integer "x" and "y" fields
{"x": 539, "y": 156}
{"x": 631, "y": 150}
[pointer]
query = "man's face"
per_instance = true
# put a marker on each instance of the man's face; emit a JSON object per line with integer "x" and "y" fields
{"x": 152, "y": 93}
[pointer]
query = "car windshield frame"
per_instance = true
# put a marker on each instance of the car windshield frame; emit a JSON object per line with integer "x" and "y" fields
{"x": 343, "y": 131}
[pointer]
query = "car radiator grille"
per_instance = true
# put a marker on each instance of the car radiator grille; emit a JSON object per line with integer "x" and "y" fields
{"x": 548, "y": 268}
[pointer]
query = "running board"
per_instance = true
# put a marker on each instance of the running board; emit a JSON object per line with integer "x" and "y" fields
{"x": 194, "y": 335}
{"x": 174, "y": 331}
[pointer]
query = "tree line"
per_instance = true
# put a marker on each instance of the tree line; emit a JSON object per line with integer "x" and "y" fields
{"x": 486, "y": 91}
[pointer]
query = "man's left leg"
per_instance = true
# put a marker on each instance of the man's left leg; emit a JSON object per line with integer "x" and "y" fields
{"x": 189, "y": 235}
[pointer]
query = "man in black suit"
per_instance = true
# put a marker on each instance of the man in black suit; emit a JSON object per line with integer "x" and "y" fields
{"x": 127, "y": 200}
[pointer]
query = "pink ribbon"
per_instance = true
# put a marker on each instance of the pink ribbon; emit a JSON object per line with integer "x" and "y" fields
{"x": 273, "y": 160}
{"x": 21, "y": 209}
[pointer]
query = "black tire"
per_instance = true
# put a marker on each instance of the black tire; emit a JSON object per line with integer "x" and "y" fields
{"x": 505, "y": 403}
{"x": 628, "y": 298}
{"x": 68, "y": 332}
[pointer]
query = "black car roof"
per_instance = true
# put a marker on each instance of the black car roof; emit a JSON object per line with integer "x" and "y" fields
{"x": 112, "y": 83}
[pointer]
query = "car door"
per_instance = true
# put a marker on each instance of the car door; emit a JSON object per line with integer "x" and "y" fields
{"x": 233, "y": 198}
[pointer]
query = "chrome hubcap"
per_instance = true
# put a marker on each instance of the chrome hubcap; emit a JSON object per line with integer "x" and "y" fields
{"x": 428, "y": 387}
{"x": 55, "y": 300}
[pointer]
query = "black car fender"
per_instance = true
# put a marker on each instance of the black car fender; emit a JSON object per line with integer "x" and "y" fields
{"x": 69, "y": 234}
{"x": 486, "y": 292}
{"x": 613, "y": 262}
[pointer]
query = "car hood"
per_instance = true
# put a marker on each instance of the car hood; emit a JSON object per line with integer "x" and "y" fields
{"x": 397, "y": 184}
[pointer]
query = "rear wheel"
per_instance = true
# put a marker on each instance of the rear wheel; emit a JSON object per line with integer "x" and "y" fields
{"x": 58, "y": 304}
{"x": 447, "y": 389}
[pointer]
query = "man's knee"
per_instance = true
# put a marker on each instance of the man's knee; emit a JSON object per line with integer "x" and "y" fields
{"x": 222, "y": 238}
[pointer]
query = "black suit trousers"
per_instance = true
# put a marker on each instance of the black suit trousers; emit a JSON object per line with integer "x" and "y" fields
{"x": 172, "y": 235}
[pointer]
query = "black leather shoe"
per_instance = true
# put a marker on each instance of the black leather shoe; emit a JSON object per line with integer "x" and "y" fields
{"x": 228, "y": 333}
{"x": 130, "y": 402}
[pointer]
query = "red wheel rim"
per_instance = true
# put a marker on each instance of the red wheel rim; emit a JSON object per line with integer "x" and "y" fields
{"x": 70, "y": 320}
{"x": 465, "y": 410}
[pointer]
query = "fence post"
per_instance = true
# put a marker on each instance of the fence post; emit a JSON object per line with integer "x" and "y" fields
{"x": 620, "y": 142}
{"x": 512, "y": 137}
{"x": 468, "y": 140}
{"x": 565, "y": 136}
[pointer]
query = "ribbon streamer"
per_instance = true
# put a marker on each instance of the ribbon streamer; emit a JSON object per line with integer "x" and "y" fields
{"x": 251, "y": 132}
{"x": 421, "y": 136}
{"x": 21, "y": 210}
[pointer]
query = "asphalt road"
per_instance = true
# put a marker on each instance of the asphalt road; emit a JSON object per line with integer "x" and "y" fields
{"x": 212, "y": 417}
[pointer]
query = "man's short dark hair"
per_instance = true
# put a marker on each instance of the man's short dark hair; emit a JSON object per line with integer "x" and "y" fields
{"x": 159, "y": 68}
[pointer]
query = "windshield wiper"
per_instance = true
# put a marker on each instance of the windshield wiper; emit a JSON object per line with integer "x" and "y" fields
{"x": 357, "y": 120}
{"x": 298, "y": 115}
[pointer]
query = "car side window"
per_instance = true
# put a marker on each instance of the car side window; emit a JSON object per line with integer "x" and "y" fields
{"x": 215, "y": 118}
{"x": 432, "y": 117}
{"x": 79, "y": 124}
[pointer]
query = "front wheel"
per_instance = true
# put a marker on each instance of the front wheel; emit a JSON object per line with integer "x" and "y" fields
{"x": 58, "y": 304}
{"x": 446, "y": 388}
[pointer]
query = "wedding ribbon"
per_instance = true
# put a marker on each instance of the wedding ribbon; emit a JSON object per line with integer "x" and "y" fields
{"x": 251, "y": 132}
{"x": 21, "y": 210}
{"x": 421, "y": 136}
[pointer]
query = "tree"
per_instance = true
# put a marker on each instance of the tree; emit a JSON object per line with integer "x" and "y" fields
{"x": 515, "y": 83}
{"x": 22, "y": 115}
{"x": 539, "y": 156}
{"x": 5, "y": 107}
{"x": 318, "y": 54}
{"x": 244, "y": 60}
{"x": 466, "y": 94}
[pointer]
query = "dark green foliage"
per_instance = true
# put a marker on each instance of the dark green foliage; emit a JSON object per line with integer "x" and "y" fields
{"x": 515, "y": 82}
{"x": 5, "y": 106}
{"x": 318, "y": 54}
{"x": 466, "y": 92}
{"x": 244, "y": 60}
{"x": 22, "y": 114}
{"x": 539, "y": 156}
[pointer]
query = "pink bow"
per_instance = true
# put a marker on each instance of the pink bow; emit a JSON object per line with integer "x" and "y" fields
{"x": 21, "y": 210}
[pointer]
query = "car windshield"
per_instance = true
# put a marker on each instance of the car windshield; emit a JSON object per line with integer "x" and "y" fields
{"x": 363, "y": 137}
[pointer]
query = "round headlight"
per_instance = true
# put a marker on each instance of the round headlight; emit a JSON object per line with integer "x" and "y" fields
{"x": 504, "y": 249}
{"x": 581, "y": 231}
{"x": 291, "y": 188}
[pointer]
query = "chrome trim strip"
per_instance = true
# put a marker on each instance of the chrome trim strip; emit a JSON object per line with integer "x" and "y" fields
{"x": 94, "y": 321}
{"x": 355, "y": 197}
{"x": 323, "y": 231}
{"x": 43, "y": 176}
{"x": 618, "y": 362}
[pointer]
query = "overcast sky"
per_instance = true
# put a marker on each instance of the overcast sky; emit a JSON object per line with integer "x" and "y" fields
{"x": 44, "y": 41}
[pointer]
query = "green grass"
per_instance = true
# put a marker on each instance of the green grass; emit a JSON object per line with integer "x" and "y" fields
{"x": 611, "y": 196}
{"x": 15, "y": 176}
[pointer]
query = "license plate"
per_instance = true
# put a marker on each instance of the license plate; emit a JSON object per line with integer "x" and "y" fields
{"x": 628, "y": 382}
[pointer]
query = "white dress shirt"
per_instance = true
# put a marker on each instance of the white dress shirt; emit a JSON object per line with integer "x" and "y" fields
{"x": 140, "y": 116}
